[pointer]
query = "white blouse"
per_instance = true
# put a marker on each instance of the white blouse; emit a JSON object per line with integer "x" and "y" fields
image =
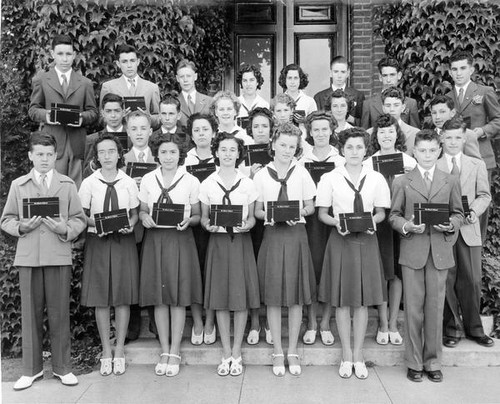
{"x": 259, "y": 102}
{"x": 212, "y": 194}
{"x": 92, "y": 193}
{"x": 185, "y": 192}
{"x": 192, "y": 158}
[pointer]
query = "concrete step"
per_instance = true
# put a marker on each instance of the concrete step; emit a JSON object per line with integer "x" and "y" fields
{"x": 467, "y": 353}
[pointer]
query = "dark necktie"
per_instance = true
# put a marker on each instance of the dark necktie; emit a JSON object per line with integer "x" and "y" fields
{"x": 190, "y": 104}
{"x": 226, "y": 200}
{"x": 65, "y": 85}
{"x": 455, "y": 170}
{"x": 111, "y": 197}
{"x": 461, "y": 96}
{"x": 165, "y": 197}
{"x": 283, "y": 194}
{"x": 358, "y": 199}
{"x": 203, "y": 161}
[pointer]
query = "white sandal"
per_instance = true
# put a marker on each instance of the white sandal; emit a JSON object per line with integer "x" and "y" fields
{"x": 236, "y": 367}
{"x": 309, "y": 337}
{"x": 106, "y": 367}
{"x": 223, "y": 368}
{"x": 253, "y": 337}
{"x": 382, "y": 337}
{"x": 278, "y": 370}
{"x": 161, "y": 368}
{"x": 345, "y": 369}
{"x": 119, "y": 366}
{"x": 173, "y": 370}
{"x": 360, "y": 370}
{"x": 395, "y": 338}
{"x": 295, "y": 370}
{"x": 327, "y": 337}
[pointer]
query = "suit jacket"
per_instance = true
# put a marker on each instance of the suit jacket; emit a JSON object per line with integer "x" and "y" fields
{"x": 372, "y": 109}
{"x": 201, "y": 105}
{"x": 358, "y": 97}
{"x": 150, "y": 91}
{"x": 475, "y": 185}
{"x": 41, "y": 246}
{"x": 481, "y": 107}
{"x": 471, "y": 146}
{"x": 415, "y": 248}
{"x": 179, "y": 131}
{"x": 46, "y": 90}
{"x": 410, "y": 132}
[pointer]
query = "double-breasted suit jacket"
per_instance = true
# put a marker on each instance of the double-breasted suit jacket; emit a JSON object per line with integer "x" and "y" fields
{"x": 372, "y": 109}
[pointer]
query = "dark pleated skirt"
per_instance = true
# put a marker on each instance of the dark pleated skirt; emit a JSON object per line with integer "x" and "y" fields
{"x": 352, "y": 271}
{"x": 170, "y": 271}
{"x": 110, "y": 271}
{"x": 286, "y": 273}
{"x": 257, "y": 234}
{"x": 231, "y": 273}
{"x": 317, "y": 236}
{"x": 201, "y": 237}
{"x": 388, "y": 242}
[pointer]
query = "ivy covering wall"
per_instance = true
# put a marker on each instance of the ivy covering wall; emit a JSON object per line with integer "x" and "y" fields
{"x": 163, "y": 32}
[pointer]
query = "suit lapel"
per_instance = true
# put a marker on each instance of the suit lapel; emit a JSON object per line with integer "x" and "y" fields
{"x": 124, "y": 85}
{"x": 466, "y": 169}
{"x": 437, "y": 183}
{"x": 469, "y": 95}
{"x": 75, "y": 81}
{"x": 53, "y": 82}
{"x": 377, "y": 104}
{"x": 417, "y": 182}
{"x": 184, "y": 107}
{"x": 200, "y": 102}
{"x": 55, "y": 184}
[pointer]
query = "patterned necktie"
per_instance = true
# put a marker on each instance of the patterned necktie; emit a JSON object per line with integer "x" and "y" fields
{"x": 132, "y": 85}
{"x": 43, "y": 184}
{"x": 165, "y": 197}
{"x": 283, "y": 194}
{"x": 358, "y": 199}
{"x": 455, "y": 170}
{"x": 461, "y": 96}
{"x": 111, "y": 197}
{"x": 141, "y": 157}
{"x": 427, "y": 181}
{"x": 226, "y": 200}
{"x": 65, "y": 85}
{"x": 190, "y": 104}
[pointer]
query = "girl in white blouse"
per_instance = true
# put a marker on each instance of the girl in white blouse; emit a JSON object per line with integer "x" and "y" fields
{"x": 111, "y": 264}
{"x": 170, "y": 274}
{"x": 286, "y": 273}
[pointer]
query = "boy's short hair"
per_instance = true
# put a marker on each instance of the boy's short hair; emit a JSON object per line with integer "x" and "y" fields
{"x": 340, "y": 94}
{"x": 124, "y": 48}
{"x": 354, "y": 132}
{"x": 304, "y": 81}
{"x": 185, "y": 63}
{"x": 456, "y": 122}
{"x": 171, "y": 98}
{"x": 43, "y": 139}
{"x": 389, "y": 61}
{"x": 228, "y": 95}
{"x": 199, "y": 116}
{"x": 62, "y": 40}
{"x": 224, "y": 136}
{"x": 442, "y": 99}
{"x": 181, "y": 143}
{"x": 384, "y": 121}
{"x": 250, "y": 69}
{"x": 461, "y": 55}
{"x": 138, "y": 114}
{"x": 107, "y": 136}
{"x": 289, "y": 129}
{"x": 393, "y": 92}
{"x": 319, "y": 116}
{"x": 259, "y": 111}
{"x": 283, "y": 98}
{"x": 426, "y": 135}
{"x": 110, "y": 97}
{"x": 340, "y": 59}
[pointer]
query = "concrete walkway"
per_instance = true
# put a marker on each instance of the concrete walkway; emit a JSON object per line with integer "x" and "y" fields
{"x": 317, "y": 384}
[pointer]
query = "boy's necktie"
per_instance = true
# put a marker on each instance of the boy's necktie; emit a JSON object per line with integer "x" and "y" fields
{"x": 141, "y": 157}
{"x": 111, "y": 197}
{"x": 190, "y": 104}
{"x": 455, "y": 170}
{"x": 165, "y": 197}
{"x": 461, "y": 96}
{"x": 427, "y": 181}
{"x": 132, "y": 86}
{"x": 283, "y": 194}
{"x": 65, "y": 85}
{"x": 226, "y": 200}
{"x": 43, "y": 184}
{"x": 358, "y": 199}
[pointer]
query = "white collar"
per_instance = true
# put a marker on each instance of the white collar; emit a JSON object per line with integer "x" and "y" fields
{"x": 60, "y": 74}
{"x": 338, "y": 88}
{"x": 146, "y": 152}
{"x": 430, "y": 170}
{"x": 192, "y": 93}
{"x": 458, "y": 159}
{"x": 109, "y": 130}
{"x": 48, "y": 179}
{"x": 465, "y": 86}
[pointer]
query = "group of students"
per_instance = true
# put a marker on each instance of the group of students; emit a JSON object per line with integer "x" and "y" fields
{"x": 293, "y": 264}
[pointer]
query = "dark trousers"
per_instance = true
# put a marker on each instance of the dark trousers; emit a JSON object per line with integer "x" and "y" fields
{"x": 51, "y": 286}
{"x": 463, "y": 292}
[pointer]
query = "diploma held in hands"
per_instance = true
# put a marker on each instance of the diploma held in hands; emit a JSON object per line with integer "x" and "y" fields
{"x": 432, "y": 213}
{"x": 356, "y": 222}
{"x": 65, "y": 113}
{"x": 281, "y": 211}
{"x": 44, "y": 207}
{"x": 113, "y": 220}
{"x": 136, "y": 169}
{"x": 201, "y": 171}
{"x": 167, "y": 214}
{"x": 257, "y": 153}
{"x": 317, "y": 169}
{"x": 389, "y": 164}
{"x": 465, "y": 204}
{"x": 134, "y": 103}
{"x": 226, "y": 215}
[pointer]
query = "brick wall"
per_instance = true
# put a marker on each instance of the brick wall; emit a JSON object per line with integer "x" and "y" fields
{"x": 366, "y": 49}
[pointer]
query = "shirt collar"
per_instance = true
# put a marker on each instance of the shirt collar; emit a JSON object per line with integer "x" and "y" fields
{"x": 458, "y": 159}
{"x": 121, "y": 174}
{"x": 60, "y": 74}
{"x": 457, "y": 89}
{"x": 430, "y": 170}
{"x": 110, "y": 130}
{"x": 363, "y": 173}
{"x": 146, "y": 152}
{"x": 191, "y": 93}
{"x": 49, "y": 174}
{"x": 338, "y": 88}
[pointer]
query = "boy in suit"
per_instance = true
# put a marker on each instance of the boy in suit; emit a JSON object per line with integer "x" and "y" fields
{"x": 426, "y": 253}
{"x": 170, "y": 115}
{"x": 191, "y": 100}
{"x": 340, "y": 70}
{"x": 61, "y": 84}
{"x": 43, "y": 258}
{"x": 131, "y": 84}
{"x": 390, "y": 74}
{"x": 463, "y": 285}
{"x": 480, "y": 109}
{"x": 442, "y": 110}
{"x": 112, "y": 114}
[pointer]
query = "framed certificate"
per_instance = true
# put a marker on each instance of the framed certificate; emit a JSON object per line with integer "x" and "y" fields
{"x": 111, "y": 221}
{"x": 281, "y": 211}
{"x": 226, "y": 215}
{"x": 44, "y": 207}
{"x": 432, "y": 213}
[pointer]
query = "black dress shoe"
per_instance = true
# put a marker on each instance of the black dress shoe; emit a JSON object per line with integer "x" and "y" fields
{"x": 450, "y": 342}
{"x": 434, "y": 375}
{"x": 483, "y": 340}
{"x": 414, "y": 375}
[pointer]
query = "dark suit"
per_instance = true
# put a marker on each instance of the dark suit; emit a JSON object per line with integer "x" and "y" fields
{"x": 70, "y": 140}
{"x": 463, "y": 285}
{"x": 323, "y": 97}
{"x": 372, "y": 109}
{"x": 425, "y": 259}
{"x": 202, "y": 105}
